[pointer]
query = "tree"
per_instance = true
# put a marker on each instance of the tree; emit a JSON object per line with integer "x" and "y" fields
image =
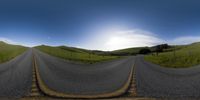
{"x": 160, "y": 48}
{"x": 145, "y": 51}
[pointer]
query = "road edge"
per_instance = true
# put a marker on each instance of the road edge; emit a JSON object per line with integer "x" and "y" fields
{"x": 46, "y": 90}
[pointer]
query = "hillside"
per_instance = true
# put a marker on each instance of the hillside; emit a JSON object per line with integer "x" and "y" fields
{"x": 181, "y": 57}
{"x": 8, "y": 51}
{"x": 128, "y": 51}
{"x": 75, "y": 54}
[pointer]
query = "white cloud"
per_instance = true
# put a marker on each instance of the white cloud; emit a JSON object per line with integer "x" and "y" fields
{"x": 185, "y": 40}
{"x": 7, "y": 40}
{"x": 122, "y": 39}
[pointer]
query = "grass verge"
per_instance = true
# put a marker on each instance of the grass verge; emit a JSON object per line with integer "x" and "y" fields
{"x": 8, "y": 51}
{"x": 185, "y": 57}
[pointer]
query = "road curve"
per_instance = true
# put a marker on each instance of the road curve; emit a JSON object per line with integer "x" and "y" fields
{"x": 16, "y": 76}
{"x": 155, "y": 81}
{"x": 83, "y": 79}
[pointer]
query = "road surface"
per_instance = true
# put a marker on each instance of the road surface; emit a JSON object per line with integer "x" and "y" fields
{"x": 16, "y": 76}
{"x": 83, "y": 79}
{"x": 91, "y": 79}
{"x": 155, "y": 81}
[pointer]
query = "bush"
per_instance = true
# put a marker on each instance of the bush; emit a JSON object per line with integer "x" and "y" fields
{"x": 145, "y": 51}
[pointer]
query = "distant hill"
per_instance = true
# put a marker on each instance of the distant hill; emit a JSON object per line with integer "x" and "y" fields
{"x": 8, "y": 51}
{"x": 75, "y": 54}
{"x": 74, "y": 49}
{"x": 121, "y": 52}
{"x": 128, "y": 51}
{"x": 153, "y": 49}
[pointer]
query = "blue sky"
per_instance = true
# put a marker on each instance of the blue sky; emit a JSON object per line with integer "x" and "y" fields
{"x": 99, "y": 24}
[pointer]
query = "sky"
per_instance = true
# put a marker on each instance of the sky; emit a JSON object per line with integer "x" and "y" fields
{"x": 99, "y": 24}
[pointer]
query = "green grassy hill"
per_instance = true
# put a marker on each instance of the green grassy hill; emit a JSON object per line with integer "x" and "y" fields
{"x": 128, "y": 51}
{"x": 75, "y": 54}
{"x": 8, "y": 51}
{"x": 181, "y": 57}
{"x": 73, "y": 49}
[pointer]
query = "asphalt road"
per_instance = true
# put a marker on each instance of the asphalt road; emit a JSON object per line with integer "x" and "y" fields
{"x": 155, "y": 81}
{"x": 90, "y": 79}
{"x": 16, "y": 76}
{"x": 83, "y": 79}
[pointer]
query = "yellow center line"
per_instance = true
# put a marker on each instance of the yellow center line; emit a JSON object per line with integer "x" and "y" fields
{"x": 45, "y": 89}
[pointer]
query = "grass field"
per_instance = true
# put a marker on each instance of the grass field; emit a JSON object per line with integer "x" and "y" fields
{"x": 8, "y": 52}
{"x": 182, "y": 57}
{"x": 75, "y": 54}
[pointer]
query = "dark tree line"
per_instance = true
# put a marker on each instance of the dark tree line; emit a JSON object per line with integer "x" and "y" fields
{"x": 157, "y": 49}
{"x": 145, "y": 51}
{"x": 160, "y": 48}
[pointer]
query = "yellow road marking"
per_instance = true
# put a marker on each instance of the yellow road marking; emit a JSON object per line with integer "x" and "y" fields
{"x": 34, "y": 88}
{"x": 44, "y": 88}
{"x": 132, "y": 91}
